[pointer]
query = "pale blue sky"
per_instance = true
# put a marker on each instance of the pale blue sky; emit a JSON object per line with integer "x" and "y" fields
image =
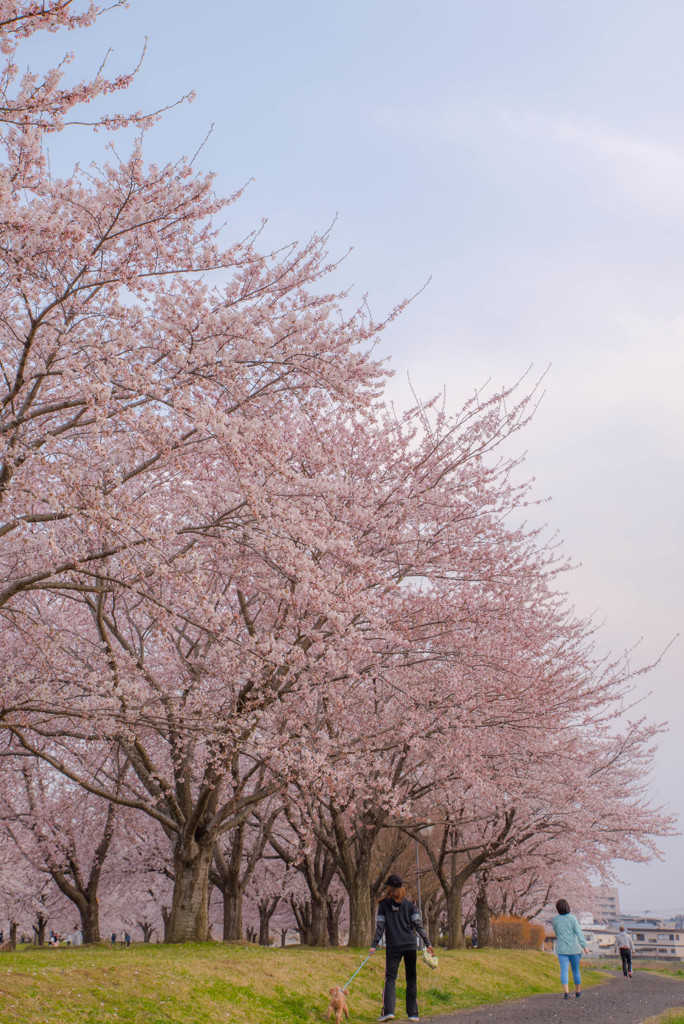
{"x": 528, "y": 157}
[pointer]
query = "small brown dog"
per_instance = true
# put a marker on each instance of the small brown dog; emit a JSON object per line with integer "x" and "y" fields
{"x": 338, "y": 1004}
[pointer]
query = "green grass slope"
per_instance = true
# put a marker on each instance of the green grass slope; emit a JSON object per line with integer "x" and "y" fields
{"x": 242, "y": 984}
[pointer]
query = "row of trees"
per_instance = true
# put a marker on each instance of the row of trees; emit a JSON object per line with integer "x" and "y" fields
{"x": 253, "y": 620}
{"x": 65, "y": 858}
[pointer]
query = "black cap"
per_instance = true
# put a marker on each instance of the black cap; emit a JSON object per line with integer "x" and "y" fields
{"x": 395, "y": 881}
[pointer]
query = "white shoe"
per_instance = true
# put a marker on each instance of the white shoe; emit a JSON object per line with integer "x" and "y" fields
{"x": 414, "y": 1018}
{"x": 387, "y": 1016}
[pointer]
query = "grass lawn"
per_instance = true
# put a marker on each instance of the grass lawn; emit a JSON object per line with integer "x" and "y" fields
{"x": 214, "y": 983}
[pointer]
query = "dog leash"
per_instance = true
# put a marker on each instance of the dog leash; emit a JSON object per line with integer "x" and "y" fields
{"x": 357, "y": 971}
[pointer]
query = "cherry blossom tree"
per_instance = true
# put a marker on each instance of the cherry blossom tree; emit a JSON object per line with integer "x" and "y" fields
{"x": 65, "y": 832}
{"x": 276, "y": 888}
{"x": 130, "y": 379}
{"x": 124, "y": 361}
{"x": 29, "y": 899}
{"x": 236, "y": 857}
{"x": 228, "y": 565}
{"x": 480, "y": 691}
{"x": 553, "y": 816}
{"x": 294, "y": 842}
{"x": 276, "y": 609}
{"x": 137, "y": 886}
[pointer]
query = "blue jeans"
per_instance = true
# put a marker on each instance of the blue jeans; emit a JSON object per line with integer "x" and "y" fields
{"x": 568, "y": 960}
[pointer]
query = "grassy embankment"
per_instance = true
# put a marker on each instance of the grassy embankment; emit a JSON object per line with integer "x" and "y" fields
{"x": 242, "y": 984}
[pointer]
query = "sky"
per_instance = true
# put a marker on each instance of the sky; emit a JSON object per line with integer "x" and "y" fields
{"x": 525, "y": 162}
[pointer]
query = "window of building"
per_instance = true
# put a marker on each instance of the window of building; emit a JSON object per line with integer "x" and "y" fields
{"x": 672, "y": 938}
{"x": 640, "y": 935}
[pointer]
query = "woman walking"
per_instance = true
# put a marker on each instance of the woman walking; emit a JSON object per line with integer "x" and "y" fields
{"x": 570, "y": 944}
{"x": 398, "y": 919}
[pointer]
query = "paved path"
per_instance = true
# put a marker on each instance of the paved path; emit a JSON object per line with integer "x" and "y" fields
{"x": 618, "y": 1001}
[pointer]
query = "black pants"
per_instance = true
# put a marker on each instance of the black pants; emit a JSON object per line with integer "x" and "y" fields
{"x": 626, "y": 955}
{"x": 389, "y": 997}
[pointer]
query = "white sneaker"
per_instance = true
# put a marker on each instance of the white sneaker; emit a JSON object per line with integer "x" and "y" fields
{"x": 387, "y": 1016}
{"x": 414, "y": 1018}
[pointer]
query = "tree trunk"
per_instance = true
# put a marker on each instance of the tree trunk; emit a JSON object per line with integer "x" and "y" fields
{"x": 188, "y": 920}
{"x": 210, "y": 937}
{"x": 319, "y": 932}
{"x": 360, "y": 913}
{"x": 13, "y": 934}
{"x": 232, "y": 914}
{"x": 302, "y": 915}
{"x": 318, "y": 870}
{"x": 352, "y": 852}
{"x": 90, "y": 919}
{"x": 146, "y": 929}
{"x": 333, "y": 912}
{"x": 283, "y": 935}
{"x": 455, "y": 936}
{"x": 482, "y": 919}
{"x": 39, "y": 929}
{"x": 267, "y": 909}
{"x": 227, "y": 876}
{"x": 432, "y": 912}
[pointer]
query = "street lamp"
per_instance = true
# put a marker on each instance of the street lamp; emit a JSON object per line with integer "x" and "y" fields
{"x": 427, "y": 829}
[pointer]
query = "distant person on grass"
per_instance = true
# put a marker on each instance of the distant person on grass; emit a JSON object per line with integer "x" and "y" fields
{"x": 570, "y": 944}
{"x": 625, "y": 943}
{"x": 398, "y": 919}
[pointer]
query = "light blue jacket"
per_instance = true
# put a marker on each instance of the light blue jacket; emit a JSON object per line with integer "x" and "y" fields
{"x": 570, "y": 937}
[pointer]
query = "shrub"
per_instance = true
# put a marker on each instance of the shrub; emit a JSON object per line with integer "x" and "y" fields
{"x": 509, "y": 932}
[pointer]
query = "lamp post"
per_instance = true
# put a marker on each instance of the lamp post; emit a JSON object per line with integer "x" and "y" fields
{"x": 420, "y": 908}
{"x": 427, "y": 829}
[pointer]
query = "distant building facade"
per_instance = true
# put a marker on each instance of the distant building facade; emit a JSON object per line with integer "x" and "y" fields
{"x": 605, "y": 904}
{"x": 655, "y": 938}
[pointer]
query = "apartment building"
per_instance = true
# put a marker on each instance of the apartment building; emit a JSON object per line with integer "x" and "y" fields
{"x": 605, "y": 904}
{"x": 661, "y": 939}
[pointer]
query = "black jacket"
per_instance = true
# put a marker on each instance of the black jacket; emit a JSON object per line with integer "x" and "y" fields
{"x": 397, "y": 922}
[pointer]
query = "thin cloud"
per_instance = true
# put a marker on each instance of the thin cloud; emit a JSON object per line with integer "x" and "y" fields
{"x": 648, "y": 171}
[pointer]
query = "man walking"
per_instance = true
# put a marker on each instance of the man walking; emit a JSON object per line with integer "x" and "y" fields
{"x": 625, "y": 943}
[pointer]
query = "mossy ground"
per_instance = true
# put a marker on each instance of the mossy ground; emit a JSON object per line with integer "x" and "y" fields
{"x": 244, "y": 984}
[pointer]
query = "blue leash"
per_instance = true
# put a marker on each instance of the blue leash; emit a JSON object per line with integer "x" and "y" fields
{"x": 357, "y": 971}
